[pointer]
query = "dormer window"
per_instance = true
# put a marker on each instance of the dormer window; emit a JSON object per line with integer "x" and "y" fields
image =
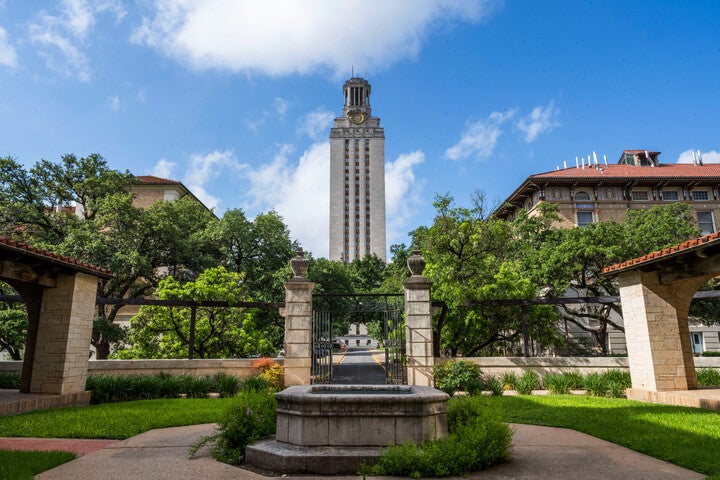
{"x": 670, "y": 195}
{"x": 640, "y": 195}
{"x": 699, "y": 195}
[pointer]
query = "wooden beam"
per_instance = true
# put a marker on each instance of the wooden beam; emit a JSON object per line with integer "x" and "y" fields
{"x": 22, "y": 272}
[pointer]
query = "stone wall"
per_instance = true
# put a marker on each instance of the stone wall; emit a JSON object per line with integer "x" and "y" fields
{"x": 239, "y": 367}
{"x": 242, "y": 367}
{"x": 544, "y": 365}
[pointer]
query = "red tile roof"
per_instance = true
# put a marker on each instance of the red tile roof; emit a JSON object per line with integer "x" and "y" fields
{"x": 153, "y": 180}
{"x": 695, "y": 243}
{"x": 9, "y": 244}
{"x": 662, "y": 171}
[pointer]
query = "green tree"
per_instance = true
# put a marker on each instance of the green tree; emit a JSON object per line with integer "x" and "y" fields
{"x": 220, "y": 332}
{"x": 571, "y": 260}
{"x": 463, "y": 250}
{"x": 40, "y": 205}
{"x": 140, "y": 247}
{"x": 13, "y": 324}
{"x": 367, "y": 273}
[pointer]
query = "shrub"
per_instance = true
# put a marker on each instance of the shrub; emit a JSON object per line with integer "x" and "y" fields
{"x": 197, "y": 387}
{"x": 255, "y": 384}
{"x": 708, "y": 377}
{"x": 270, "y": 370}
{"x": 558, "y": 383}
{"x": 226, "y": 385}
{"x": 509, "y": 380}
{"x": 494, "y": 385}
{"x": 478, "y": 439}
{"x": 528, "y": 382}
{"x": 10, "y": 380}
{"x": 595, "y": 385}
{"x": 251, "y": 418}
{"x": 458, "y": 375}
{"x": 575, "y": 380}
{"x": 710, "y": 354}
{"x": 611, "y": 383}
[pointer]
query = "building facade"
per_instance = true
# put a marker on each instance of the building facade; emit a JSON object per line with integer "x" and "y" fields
{"x": 595, "y": 191}
{"x": 357, "y": 178}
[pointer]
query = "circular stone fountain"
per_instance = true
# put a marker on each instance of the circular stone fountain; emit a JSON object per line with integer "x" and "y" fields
{"x": 333, "y": 429}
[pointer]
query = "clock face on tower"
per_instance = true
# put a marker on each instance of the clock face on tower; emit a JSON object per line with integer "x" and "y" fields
{"x": 356, "y": 117}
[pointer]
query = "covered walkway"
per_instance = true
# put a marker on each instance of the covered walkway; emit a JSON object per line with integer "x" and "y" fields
{"x": 656, "y": 291}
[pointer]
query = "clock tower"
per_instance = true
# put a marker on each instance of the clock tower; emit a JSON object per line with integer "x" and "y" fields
{"x": 357, "y": 178}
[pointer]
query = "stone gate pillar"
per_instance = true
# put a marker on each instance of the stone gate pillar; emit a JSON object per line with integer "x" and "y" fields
{"x": 418, "y": 324}
{"x": 298, "y": 323}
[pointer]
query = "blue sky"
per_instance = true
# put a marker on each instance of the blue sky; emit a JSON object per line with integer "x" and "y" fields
{"x": 235, "y": 99}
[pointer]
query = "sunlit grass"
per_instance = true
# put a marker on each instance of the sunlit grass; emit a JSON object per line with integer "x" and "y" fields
{"x": 114, "y": 420}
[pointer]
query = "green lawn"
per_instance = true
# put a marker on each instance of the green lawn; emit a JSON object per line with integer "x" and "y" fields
{"x": 687, "y": 437}
{"x": 114, "y": 420}
{"x": 25, "y": 465}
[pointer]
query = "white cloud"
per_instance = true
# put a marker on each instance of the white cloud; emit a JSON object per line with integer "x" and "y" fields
{"x": 299, "y": 192}
{"x": 712, "y": 156}
{"x": 61, "y": 38}
{"x": 203, "y": 168}
{"x": 281, "y": 106}
{"x": 402, "y": 194}
{"x": 316, "y": 124}
{"x": 539, "y": 120}
{"x": 114, "y": 102}
{"x": 8, "y": 56}
{"x": 280, "y": 37}
{"x": 480, "y": 138}
{"x": 163, "y": 169}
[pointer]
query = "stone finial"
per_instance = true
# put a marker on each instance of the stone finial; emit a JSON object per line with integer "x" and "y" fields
{"x": 299, "y": 264}
{"x": 416, "y": 263}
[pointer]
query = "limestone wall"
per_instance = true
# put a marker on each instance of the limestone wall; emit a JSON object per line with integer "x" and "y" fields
{"x": 241, "y": 367}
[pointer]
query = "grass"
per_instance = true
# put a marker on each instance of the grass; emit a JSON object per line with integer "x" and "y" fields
{"x": 687, "y": 437}
{"x": 25, "y": 465}
{"x": 114, "y": 420}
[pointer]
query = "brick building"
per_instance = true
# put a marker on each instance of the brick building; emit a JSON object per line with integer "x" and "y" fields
{"x": 595, "y": 191}
{"x": 149, "y": 189}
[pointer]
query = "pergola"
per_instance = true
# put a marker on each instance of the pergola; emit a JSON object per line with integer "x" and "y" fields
{"x": 59, "y": 294}
{"x": 656, "y": 291}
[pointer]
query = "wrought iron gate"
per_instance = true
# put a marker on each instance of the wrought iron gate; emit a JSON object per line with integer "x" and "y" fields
{"x": 388, "y": 309}
{"x": 394, "y": 329}
{"x": 322, "y": 347}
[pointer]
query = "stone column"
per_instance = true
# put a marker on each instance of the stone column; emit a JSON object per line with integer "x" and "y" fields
{"x": 418, "y": 324}
{"x": 62, "y": 346}
{"x": 298, "y": 323}
{"x": 656, "y": 330}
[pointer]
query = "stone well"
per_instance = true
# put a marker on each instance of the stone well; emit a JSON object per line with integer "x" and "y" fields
{"x": 333, "y": 429}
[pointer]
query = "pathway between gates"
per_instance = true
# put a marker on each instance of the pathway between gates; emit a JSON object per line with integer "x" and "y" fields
{"x": 360, "y": 367}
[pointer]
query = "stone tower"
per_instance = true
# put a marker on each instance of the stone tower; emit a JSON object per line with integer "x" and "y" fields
{"x": 357, "y": 178}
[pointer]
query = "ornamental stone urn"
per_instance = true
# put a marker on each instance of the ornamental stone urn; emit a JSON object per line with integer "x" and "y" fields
{"x": 299, "y": 265}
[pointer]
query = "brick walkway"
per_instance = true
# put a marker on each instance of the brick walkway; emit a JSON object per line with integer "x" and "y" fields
{"x": 76, "y": 446}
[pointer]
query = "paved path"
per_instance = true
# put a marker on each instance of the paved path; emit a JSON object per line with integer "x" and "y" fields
{"x": 360, "y": 367}
{"x": 539, "y": 453}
